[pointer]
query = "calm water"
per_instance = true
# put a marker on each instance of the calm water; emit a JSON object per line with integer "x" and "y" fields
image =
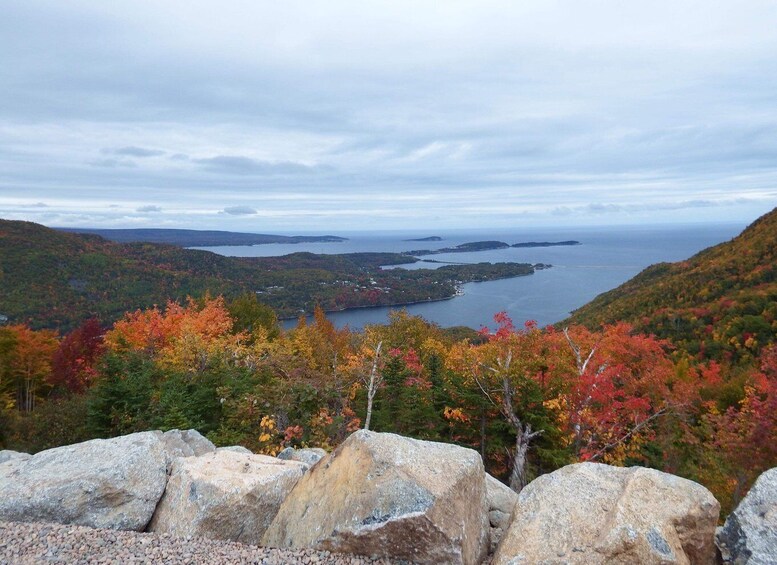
{"x": 606, "y": 258}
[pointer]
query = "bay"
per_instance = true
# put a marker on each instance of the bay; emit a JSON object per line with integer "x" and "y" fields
{"x": 606, "y": 257}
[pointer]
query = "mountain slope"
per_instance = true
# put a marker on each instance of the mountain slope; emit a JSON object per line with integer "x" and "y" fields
{"x": 720, "y": 303}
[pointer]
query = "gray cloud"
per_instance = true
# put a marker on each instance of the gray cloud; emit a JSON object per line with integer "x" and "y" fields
{"x": 149, "y": 208}
{"x": 239, "y": 210}
{"x": 131, "y": 151}
{"x": 238, "y": 165}
{"x": 112, "y": 163}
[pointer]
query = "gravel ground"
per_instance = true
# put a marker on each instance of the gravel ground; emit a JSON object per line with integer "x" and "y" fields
{"x": 40, "y": 543}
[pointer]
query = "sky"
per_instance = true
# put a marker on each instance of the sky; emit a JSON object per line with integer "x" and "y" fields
{"x": 293, "y": 117}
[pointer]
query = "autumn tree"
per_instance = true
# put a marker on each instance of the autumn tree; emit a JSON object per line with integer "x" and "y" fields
{"x": 74, "y": 362}
{"x": 620, "y": 384}
{"x": 511, "y": 371}
{"x": 29, "y": 363}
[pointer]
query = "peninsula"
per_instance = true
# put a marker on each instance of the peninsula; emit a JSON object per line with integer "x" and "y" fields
{"x": 199, "y": 238}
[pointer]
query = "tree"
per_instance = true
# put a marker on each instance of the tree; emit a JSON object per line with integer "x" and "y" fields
{"x": 74, "y": 362}
{"x": 249, "y": 315}
{"x": 30, "y": 363}
{"x": 511, "y": 372}
{"x": 621, "y": 384}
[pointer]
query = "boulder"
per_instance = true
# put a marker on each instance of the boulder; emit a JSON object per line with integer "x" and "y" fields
{"x": 186, "y": 443}
{"x": 307, "y": 455}
{"x": 8, "y": 455}
{"x": 236, "y": 449}
{"x": 501, "y": 502}
{"x": 750, "y": 532}
{"x": 384, "y": 495}
{"x": 103, "y": 483}
{"x": 225, "y": 495}
{"x": 594, "y": 514}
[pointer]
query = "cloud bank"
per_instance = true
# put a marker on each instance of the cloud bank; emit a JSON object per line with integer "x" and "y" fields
{"x": 262, "y": 116}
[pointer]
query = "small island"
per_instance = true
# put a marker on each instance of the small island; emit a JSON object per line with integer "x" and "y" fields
{"x": 430, "y": 238}
{"x": 545, "y": 243}
{"x": 463, "y": 248}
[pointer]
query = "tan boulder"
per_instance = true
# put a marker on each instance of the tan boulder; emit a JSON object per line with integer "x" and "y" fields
{"x": 594, "y": 514}
{"x": 384, "y": 495}
{"x": 224, "y": 495}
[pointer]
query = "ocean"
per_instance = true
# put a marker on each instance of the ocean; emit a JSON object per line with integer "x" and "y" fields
{"x": 605, "y": 258}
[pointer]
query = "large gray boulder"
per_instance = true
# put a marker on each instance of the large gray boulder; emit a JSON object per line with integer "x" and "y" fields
{"x": 186, "y": 443}
{"x": 750, "y": 532}
{"x": 590, "y": 513}
{"x": 501, "y": 503}
{"x": 225, "y": 495}
{"x": 388, "y": 496}
{"x": 103, "y": 483}
{"x": 308, "y": 455}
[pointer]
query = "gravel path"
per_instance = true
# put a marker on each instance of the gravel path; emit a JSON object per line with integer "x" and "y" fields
{"x": 39, "y": 543}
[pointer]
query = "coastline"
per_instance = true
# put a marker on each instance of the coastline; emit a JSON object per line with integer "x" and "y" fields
{"x": 458, "y": 292}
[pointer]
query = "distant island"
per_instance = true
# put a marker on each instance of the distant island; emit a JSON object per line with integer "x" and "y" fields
{"x": 199, "y": 238}
{"x": 545, "y": 243}
{"x": 463, "y": 248}
{"x": 430, "y": 238}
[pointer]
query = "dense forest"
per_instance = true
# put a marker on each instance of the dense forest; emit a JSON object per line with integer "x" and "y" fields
{"x": 697, "y": 403}
{"x": 52, "y": 279}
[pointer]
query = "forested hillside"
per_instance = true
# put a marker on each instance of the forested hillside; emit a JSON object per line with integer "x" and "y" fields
{"x": 719, "y": 304}
{"x": 54, "y": 279}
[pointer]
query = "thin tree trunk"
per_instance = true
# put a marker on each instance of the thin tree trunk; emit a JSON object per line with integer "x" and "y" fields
{"x": 518, "y": 478}
{"x": 372, "y": 387}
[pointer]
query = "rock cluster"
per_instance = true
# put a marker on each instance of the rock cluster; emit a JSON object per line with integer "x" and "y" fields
{"x": 383, "y": 496}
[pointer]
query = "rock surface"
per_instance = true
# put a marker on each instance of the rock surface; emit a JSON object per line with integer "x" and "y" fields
{"x": 750, "y": 532}
{"x": 307, "y": 455}
{"x": 225, "y": 495}
{"x": 590, "y": 513}
{"x": 8, "y": 455}
{"x": 186, "y": 443}
{"x": 501, "y": 503}
{"x": 114, "y": 483}
{"x": 236, "y": 449}
{"x": 384, "y": 495}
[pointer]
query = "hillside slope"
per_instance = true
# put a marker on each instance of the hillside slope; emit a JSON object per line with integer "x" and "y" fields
{"x": 720, "y": 303}
{"x": 50, "y": 278}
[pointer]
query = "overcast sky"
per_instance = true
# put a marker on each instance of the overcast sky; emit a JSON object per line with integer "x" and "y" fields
{"x": 328, "y": 116}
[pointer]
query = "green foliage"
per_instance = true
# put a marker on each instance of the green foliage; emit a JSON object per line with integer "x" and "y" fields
{"x": 120, "y": 402}
{"x": 60, "y": 421}
{"x": 249, "y": 315}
